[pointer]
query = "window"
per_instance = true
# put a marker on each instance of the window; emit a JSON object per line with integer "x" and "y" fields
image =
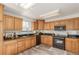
{"x": 26, "y": 25}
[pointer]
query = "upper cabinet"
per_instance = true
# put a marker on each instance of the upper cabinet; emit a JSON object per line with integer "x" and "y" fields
{"x": 1, "y": 12}
{"x": 72, "y": 24}
{"x": 40, "y": 24}
{"x": 8, "y": 23}
{"x": 48, "y": 26}
{"x": 12, "y": 23}
{"x": 18, "y": 24}
{"x": 34, "y": 25}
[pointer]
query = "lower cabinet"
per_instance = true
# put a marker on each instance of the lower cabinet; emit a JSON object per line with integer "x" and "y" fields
{"x": 33, "y": 41}
{"x": 20, "y": 45}
{"x": 30, "y": 42}
{"x": 72, "y": 45}
{"x": 27, "y": 43}
{"x": 0, "y": 50}
{"x": 47, "y": 40}
{"x": 16, "y": 46}
{"x": 10, "y": 48}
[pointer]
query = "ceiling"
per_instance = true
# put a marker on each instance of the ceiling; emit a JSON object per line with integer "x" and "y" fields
{"x": 39, "y": 9}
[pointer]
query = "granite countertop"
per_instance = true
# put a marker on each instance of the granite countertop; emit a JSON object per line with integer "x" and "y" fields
{"x": 19, "y": 37}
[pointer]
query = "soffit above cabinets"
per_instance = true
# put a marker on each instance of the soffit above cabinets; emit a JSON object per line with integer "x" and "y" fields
{"x": 44, "y": 10}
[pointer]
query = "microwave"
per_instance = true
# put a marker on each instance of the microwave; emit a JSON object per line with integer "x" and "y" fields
{"x": 60, "y": 28}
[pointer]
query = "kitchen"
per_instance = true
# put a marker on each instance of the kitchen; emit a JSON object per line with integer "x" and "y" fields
{"x": 53, "y": 31}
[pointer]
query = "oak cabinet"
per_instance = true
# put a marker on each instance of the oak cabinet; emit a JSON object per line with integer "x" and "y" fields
{"x": 34, "y": 25}
{"x": 18, "y": 24}
{"x": 47, "y": 40}
{"x": 72, "y": 45}
{"x": 51, "y": 25}
{"x": 1, "y": 50}
{"x": 8, "y": 23}
{"x": 12, "y": 23}
{"x": 1, "y": 12}
{"x": 10, "y": 48}
{"x": 20, "y": 45}
{"x": 72, "y": 24}
{"x": 30, "y": 42}
{"x": 47, "y": 26}
{"x": 40, "y": 24}
{"x": 76, "y": 25}
{"x": 27, "y": 43}
{"x": 68, "y": 45}
{"x": 33, "y": 41}
{"x": 1, "y": 27}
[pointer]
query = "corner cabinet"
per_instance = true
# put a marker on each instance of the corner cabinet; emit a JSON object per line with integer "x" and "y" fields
{"x": 38, "y": 25}
{"x": 18, "y": 24}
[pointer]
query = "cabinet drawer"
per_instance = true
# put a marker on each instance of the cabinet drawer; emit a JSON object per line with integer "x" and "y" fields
{"x": 20, "y": 44}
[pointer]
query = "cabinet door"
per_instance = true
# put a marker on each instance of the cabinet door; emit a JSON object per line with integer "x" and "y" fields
{"x": 42, "y": 39}
{"x": 75, "y": 46}
{"x": 70, "y": 24}
{"x": 33, "y": 41}
{"x": 1, "y": 12}
{"x": 68, "y": 44}
{"x": 51, "y": 26}
{"x": 47, "y": 26}
{"x": 0, "y": 50}
{"x": 10, "y": 48}
{"x": 34, "y": 25}
{"x": 49, "y": 41}
{"x": 21, "y": 46}
{"x": 8, "y": 22}
{"x": 76, "y": 21}
{"x": 40, "y": 24}
{"x": 18, "y": 24}
{"x": 27, "y": 43}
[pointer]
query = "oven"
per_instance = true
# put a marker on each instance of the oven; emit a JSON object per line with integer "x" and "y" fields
{"x": 59, "y": 42}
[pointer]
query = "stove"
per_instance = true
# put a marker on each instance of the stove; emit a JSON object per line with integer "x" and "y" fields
{"x": 59, "y": 42}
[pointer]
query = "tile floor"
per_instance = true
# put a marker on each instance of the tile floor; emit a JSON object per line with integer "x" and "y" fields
{"x": 45, "y": 50}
